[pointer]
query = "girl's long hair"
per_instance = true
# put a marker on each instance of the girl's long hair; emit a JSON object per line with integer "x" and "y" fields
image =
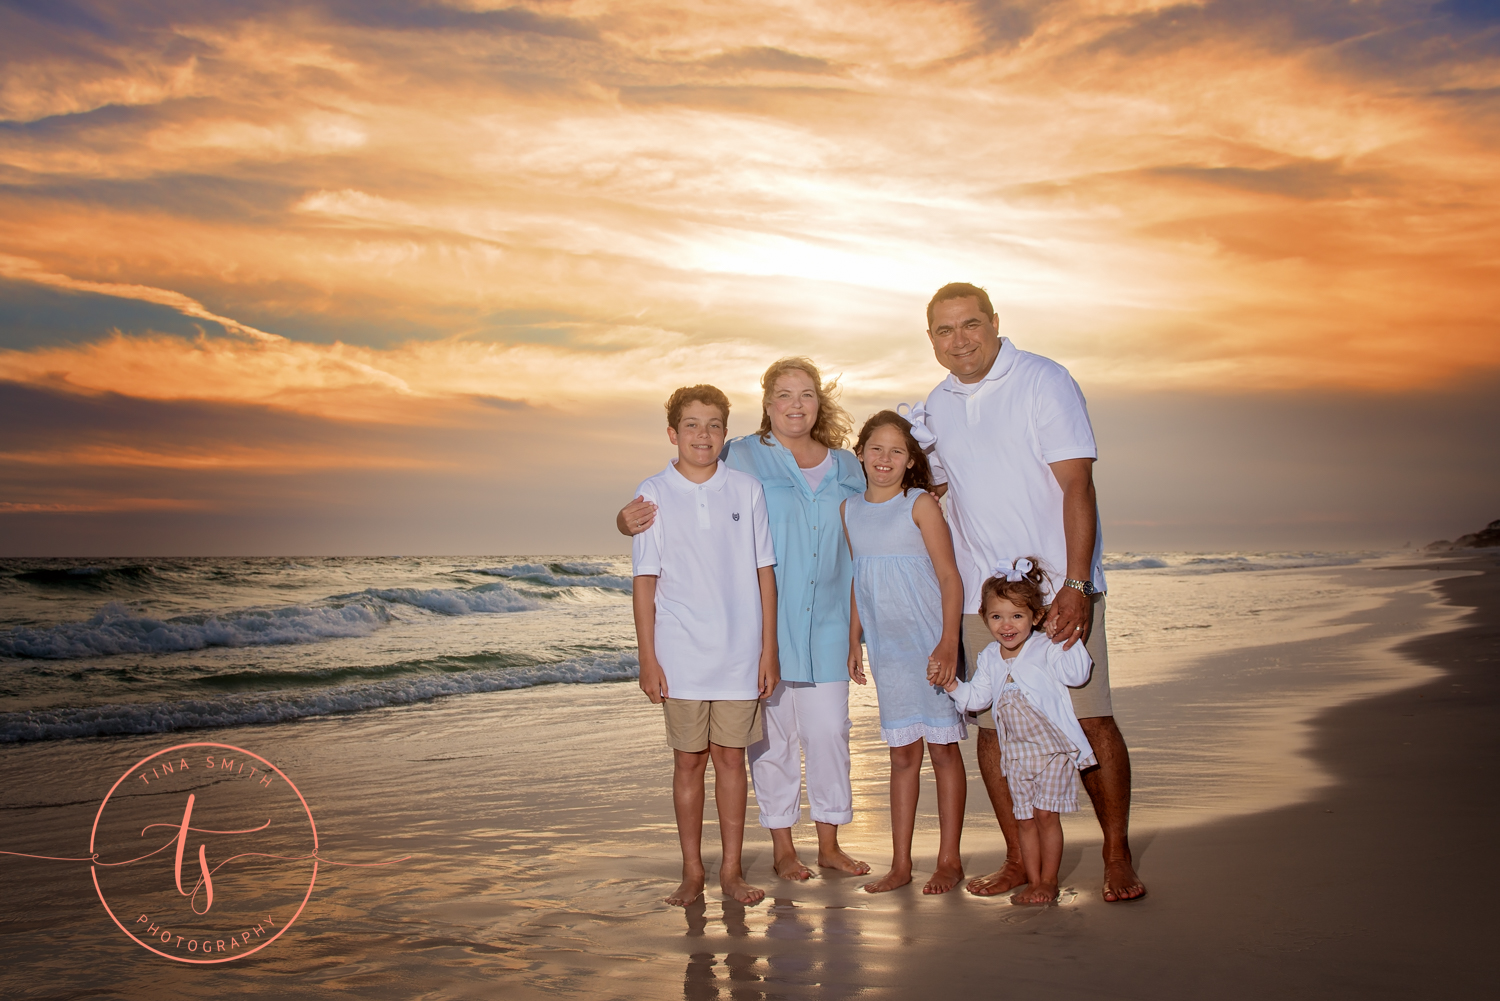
{"x": 920, "y": 473}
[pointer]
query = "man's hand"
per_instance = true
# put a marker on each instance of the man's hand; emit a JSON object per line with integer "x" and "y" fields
{"x": 635, "y": 517}
{"x": 1070, "y": 618}
{"x": 653, "y": 681}
{"x": 856, "y": 664}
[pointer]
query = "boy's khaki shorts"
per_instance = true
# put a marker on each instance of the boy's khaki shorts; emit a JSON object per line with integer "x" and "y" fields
{"x": 1089, "y": 699}
{"x": 693, "y": 723}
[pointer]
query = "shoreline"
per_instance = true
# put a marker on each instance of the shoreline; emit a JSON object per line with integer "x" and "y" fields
{"x": 540, "y": 862}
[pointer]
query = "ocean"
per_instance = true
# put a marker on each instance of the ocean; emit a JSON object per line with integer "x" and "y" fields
{"x": 93, "y": 648}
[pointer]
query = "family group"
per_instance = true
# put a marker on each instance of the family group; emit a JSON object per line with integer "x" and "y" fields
{"x": 765, "y": 568}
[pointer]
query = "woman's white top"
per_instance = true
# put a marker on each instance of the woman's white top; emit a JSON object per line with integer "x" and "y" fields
{"x": 1043, "y": 670}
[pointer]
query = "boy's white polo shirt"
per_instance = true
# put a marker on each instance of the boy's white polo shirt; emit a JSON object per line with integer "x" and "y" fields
{"x": 995, "y": 440}
{"x": 705, "y": 548}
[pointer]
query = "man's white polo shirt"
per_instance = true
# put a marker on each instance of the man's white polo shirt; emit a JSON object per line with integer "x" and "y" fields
{"x": 705, "y": 548}
{"x": 995, "y": 439}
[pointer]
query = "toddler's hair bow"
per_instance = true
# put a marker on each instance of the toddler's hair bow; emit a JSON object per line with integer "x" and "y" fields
{"x": 1017, "y": 571}
{"x": 916, "y": 414}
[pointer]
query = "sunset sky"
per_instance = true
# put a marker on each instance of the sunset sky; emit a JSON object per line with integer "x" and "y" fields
{"x": 382, "y": 277}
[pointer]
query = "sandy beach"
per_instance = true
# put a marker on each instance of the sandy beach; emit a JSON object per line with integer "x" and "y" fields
{"x": 1312, "y": 811}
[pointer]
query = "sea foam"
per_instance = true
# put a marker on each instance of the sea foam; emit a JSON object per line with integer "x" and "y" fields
{"x": 275, "y": 707}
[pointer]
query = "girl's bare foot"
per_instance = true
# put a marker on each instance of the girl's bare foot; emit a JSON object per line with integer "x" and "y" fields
{"x": 1007, "y": 877}
{"x": 1037, "y": 893}
{"x": 898, "y": 876}
{"x": 791, "y": 867}
{"x": 691, "y": 888}
{"x": 841, "y": 861}
{"x": 945, "y": 878}
{"x": 736, "y": 887}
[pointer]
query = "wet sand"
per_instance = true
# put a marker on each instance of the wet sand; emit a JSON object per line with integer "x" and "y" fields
{"x": 1312, "y": 820}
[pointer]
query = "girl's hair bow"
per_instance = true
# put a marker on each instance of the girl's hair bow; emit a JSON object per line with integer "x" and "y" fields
{"x": 916, "y": 415}
{"x": 1017, "y": 571}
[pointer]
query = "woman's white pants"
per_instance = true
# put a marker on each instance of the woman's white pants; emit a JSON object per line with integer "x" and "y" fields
{"x": 808, "y": 718}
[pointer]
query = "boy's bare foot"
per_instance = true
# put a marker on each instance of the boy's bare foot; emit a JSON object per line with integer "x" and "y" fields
{"x": 736, "y": 887}
{"x": 945, "y": 878}
{"x": 691, "y": 888}
{"x": 791, "y": 867}
{"x": 1037, "y": 893}
{"x": 1121, "y": 882}
{"x": 896, "y": 877}
{"x": 1007, "y": 877}
{"x": 843, "y": 863}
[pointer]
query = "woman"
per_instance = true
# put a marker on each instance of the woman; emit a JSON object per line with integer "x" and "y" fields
{"x": 798, "y": 457}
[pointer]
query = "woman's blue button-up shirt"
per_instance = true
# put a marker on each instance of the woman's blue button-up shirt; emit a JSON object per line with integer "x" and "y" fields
{"x": 813, "y": 569}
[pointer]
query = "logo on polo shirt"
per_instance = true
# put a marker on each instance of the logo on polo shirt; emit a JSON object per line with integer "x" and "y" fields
{"x": 736, "y": 516}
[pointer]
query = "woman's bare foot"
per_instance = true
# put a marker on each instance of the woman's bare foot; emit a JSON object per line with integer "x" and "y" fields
{"x": 1121, "y": 882}
{"x": 691, "y": 888}
{"x": 1007, "y": 877}
{"x": 736, "y": 887}
{"x": 841, "y": 861}
{"x": 1037, "y": 893}
{"x": 791, "y": 867}
{"x": 945, "y": 878}
{"x": 898, "y": 876}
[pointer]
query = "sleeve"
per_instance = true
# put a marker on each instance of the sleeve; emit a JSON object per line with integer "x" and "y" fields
{"x": 1062, "y": 418}
{"x": 972, "y": 696}
{"x": 939, "y": 474}
{"x": 645, "y": 549}
{"x": 765, "y": 549}
{"x": 1072, "y": 667}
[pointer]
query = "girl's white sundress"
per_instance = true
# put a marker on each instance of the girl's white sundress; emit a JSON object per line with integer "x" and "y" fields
{"x": 901, "y": 609}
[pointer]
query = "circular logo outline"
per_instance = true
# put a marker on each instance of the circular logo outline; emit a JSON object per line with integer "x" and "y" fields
{"x": 94, "y": 868}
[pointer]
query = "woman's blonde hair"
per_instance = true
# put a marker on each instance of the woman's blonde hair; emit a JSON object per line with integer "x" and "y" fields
{"x": 833, "y": 425}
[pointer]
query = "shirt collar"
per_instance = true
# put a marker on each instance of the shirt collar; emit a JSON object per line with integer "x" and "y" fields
{"x": 1004, "y": 362}
{"x": 717, "y": 480}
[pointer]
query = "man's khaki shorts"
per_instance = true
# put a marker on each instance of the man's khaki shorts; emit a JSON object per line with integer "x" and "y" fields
{"x": 693, "y": 723}
{"x": 1089, "y": 700}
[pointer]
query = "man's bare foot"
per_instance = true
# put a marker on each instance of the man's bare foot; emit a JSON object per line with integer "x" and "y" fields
{"x": 945, "y": 878}
{"x": 841, "y": 861}
{"x": 896, "y": 877}
{"x": 1121, "y": 882}
{"x": 691, "y": 888}
{"x": 1007, "y": 877}
{"x": 791, "y": 867}
{"x": 736, "y": 887}
{"x": 1037, "y": 893}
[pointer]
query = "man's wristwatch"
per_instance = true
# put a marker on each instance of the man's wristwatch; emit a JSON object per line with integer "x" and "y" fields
{"x": 1086, "y": 586}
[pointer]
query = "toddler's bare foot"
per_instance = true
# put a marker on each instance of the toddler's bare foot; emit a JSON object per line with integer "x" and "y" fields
{"x": 1037, "y": 893}
{"x": 1007, "y": 877}
{"x": 1121, "y": 882}
{"x": 734, "y": 885}
{"x": 691, "y": 888}
{"x": 945, "y": 878}
{"x": 898, "y": 876}
{"x": 791, "y": 867}
{"x": 841, "y": 861}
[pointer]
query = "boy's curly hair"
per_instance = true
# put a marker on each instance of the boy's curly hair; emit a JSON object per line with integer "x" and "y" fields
{"x": 702, "y": 393}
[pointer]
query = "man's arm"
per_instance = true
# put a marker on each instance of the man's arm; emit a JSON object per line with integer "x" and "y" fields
{"x": 1072, "y": 612}
{"x": 770, "y": 657}
{"x": 643, "y": 603}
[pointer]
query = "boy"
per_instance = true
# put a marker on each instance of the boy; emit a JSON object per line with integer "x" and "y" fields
{"x": 704, "y": 592}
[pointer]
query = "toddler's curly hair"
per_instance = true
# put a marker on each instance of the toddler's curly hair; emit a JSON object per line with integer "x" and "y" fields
{"x": 1024, "y": 593}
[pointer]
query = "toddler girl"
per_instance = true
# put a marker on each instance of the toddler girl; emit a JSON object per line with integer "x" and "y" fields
{"x": 1021, "y": 678}
{"x": 907, "y": 602}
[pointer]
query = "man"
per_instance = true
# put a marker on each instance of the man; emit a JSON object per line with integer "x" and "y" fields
{"x": 1016, "y": 450}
